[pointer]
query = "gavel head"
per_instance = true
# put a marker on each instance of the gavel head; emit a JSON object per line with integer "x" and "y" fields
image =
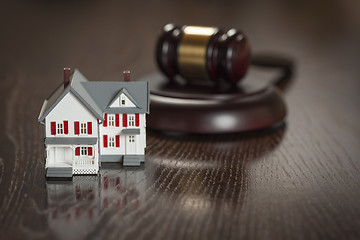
{"x": 204, "y": 54}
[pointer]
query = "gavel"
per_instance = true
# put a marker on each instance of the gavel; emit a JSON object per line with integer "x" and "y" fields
{"x": 203, "y": 54}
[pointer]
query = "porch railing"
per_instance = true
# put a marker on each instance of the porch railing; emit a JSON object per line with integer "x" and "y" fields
{"x": 84, "y": 162}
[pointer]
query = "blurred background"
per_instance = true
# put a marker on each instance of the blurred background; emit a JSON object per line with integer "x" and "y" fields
{"x": 103, "y": 38}
{"x": 296, "y": 175}
{"x": 90, "y": 33}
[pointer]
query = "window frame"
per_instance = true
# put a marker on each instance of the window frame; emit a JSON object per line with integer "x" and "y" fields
{"x": 83, "y": 128}
{"x": 84, "y": 151}
{"x": 111, "y": 141}
{"x": 60, "y": 128}
{"x": 131, "y": 121}
{"x": 111, "y": 120}
{"x": 122, "y": 101}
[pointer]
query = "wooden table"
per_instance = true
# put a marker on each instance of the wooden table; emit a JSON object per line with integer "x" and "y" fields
{"x": 297, "y": 181}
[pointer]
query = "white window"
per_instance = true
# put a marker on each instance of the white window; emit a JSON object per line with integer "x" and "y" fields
{"x": 60, "y": 128}
{"x": 122, "y": 101}
{"x": 111, "y": 141}
{"x": 83, "y": 128}
{"x": 84, "y": 151}
{"x": 131, "y": 138}
{"x": 111, "y": 120}
{"x": 131, "y": 121}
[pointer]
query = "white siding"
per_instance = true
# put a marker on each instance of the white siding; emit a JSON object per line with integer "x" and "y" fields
{"x": 112, "y": 131}
{"x": 140, "y": 140}
{"x": 70, "y": 109}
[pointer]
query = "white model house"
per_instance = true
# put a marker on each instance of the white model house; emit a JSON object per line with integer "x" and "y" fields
{"x": 87, "y": 123}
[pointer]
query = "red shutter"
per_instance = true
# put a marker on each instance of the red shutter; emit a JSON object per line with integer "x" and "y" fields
{"x": 90, "y": 151}
{"x": 77, "y": 151}
{"x": 137, "y": 120}
{"x": 76, "y": 127}
{"x": 89, "y": 130}
{"x": 117, "y": 120}
{"x": 105, "y": 140}
{"x": 53, "y": 128}
{"x": 105, "y": 120}
{"x": 117, "y": 141}
{"x": 124, "y": 120}
{"x": 66, "y": 127}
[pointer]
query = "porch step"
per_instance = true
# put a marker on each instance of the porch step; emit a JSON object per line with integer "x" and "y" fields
{"x": 63, "y": 172}
{"x": 133, "y": 160}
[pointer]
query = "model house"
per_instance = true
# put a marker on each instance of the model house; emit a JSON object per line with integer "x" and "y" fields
{"x": 87, "y": 123}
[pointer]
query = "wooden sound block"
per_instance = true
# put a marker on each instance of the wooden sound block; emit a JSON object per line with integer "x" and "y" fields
{"x": 177, "y": 106}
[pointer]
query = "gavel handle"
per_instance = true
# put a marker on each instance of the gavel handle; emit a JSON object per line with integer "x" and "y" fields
{"x": 285, "y": 64}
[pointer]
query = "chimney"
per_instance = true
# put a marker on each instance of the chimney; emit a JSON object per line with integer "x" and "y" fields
{"x": 126, "y": 76}
{"x": 66, "y": 77}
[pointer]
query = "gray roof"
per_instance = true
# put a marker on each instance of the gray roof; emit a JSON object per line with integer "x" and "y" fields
{"x": 97, "y": 96}
{"x": 131, "y": 131}
{"x": 70, "y": 140}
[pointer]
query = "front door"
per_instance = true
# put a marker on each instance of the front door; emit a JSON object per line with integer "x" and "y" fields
{"x": 130, "y": 144}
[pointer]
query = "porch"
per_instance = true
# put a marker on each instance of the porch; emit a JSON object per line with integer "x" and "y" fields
{"x": 68, "y": 160}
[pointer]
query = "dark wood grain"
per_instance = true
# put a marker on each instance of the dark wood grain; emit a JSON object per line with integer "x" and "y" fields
{"x": 297, "y": 181}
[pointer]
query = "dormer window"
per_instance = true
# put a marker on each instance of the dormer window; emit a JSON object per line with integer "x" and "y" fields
{"x": 111, "y": 119}
{"x": 122, "y": 101}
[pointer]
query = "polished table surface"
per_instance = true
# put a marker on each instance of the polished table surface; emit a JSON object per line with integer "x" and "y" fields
{"x": 299, "y": 180}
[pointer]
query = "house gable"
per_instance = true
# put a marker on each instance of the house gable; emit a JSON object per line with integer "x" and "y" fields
{"x": 76, "y": 89}
{"x": 122, "y": 100}
{"x": 50, "y": 103}
{"x": 70, "y": 109}
{"x": 104, "y": 94}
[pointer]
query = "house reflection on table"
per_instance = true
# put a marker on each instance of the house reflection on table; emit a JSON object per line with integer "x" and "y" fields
{"x": 74, "y": 207}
